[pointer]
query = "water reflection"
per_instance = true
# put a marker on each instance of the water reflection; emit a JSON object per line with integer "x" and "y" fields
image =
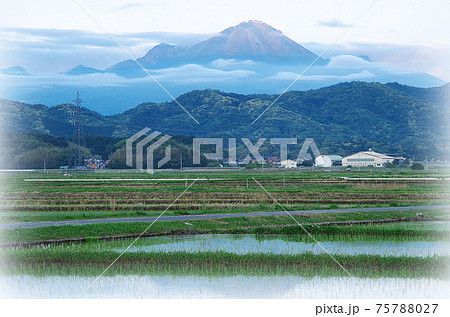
{"x": 280, "y": 244}
{"x": 240, "y": 286}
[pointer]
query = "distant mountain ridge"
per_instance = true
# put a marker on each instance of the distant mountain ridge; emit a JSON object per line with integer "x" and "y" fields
{"x": 342, "y": 118}
{"x": 15, "y": 70}
{"x": 159, "y": 53}
{"x": 83, "y": 70}
{"x": 251, "y": 57}
{"x": 254, "y": 40}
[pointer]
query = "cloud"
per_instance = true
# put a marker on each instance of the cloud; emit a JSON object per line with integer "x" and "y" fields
{"x": 350, "y": 61}
{"x": 362, "y": 75}
{"x": 193, "y": 73}
{"x": 129, "y": 5}
{"x": 49, "y": 80}
{"x": 334, "y": 23}
{"x": 55, "y": 50}
{"x": 224, "y": 63}
{"x": 430, "y": 59}
{"x": 339, "y": 68}
{"x": 186, "y": 74}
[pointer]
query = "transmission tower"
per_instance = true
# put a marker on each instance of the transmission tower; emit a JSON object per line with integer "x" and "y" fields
{"x": 76, "y": 158}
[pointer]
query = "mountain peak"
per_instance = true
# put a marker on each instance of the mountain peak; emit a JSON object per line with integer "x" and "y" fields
{"x": 254, "y": 25}
{"x": 248, "y": 40}
{"x": 252, "y": 39}
{"x": 159, "y": 53}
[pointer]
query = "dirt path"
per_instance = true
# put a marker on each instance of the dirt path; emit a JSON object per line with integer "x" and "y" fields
{"x": 208, "y": 216}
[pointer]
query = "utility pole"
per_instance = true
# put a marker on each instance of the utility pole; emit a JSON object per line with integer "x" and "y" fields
{"x": 181, "y": 161}
{"x": 359, "y": 164}
{"x": 77, "y": 136}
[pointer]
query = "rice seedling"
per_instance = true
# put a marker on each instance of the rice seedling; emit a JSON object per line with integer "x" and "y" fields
{"x": 421, "y": 266}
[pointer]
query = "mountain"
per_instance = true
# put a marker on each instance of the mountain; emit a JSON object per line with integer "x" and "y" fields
{"x": 159, "y": 53}
{"x": 249, "y": 58}
{"x": 14, "y": 70}
{"x": 252, "y": 40}
{"x": 56, "y": 120}
{"x": 342, "y": 118}
{"x": 439, "y": 95}
{"x": 84, "y": 70}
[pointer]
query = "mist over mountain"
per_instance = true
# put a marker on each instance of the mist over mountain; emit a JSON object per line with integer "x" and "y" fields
{"x": 342, "y": 118}
{"x": 252, "y": 40}
{"x": 249, "y": 58}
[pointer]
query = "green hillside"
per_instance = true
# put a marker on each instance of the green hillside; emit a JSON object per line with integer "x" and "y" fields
{"x": 342, "y": 118}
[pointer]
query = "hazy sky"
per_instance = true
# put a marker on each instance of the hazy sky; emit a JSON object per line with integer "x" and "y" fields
{"x": 405, "y": 21}
{"x": 421, "y": 24}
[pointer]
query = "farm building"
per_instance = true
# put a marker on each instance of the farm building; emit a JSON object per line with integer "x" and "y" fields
{"x": 328, "y": 160}
{"x": 367, "y": 158}
{"x": 336, "y": 159}
{"x": 288, "y": 164}
{"x": 323, "y": 161}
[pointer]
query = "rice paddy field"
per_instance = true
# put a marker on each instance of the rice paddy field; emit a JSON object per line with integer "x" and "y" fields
{"x": 389, "y": 252}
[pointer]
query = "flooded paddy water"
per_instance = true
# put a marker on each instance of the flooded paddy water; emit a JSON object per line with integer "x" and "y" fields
{"x": 238, "y": 286}
{"x": 242, "y": 283}
{"x": 284, "y": 244}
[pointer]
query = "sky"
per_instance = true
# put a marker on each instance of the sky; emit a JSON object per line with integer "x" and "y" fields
{"x": 53, "y": 36}
{"x": 400, "y": 21}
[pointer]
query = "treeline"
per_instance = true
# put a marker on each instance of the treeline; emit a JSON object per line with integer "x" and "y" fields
{"x": 343, "y": 119}
{"x": 35, "y": 150}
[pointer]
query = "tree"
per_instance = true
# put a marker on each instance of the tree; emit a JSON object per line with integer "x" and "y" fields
{"x": 253, "y": 165}
{"x": 73, "y": 150}
{"x": 417, "y": 166}
{"x": 118, "y": 159}
{"x": 48, "y": 156}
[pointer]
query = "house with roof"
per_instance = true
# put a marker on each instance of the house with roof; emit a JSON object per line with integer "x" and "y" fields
{"x": 95, "y": 163}
{"x": 274, "y": 161}
{"x": 367, "y": 158}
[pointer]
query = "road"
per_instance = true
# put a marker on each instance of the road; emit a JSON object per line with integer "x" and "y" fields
{"x": 122, "y": 179}
{"x": 207, "y": 216}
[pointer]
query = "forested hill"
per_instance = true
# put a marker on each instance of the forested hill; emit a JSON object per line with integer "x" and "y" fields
{"x": 341, "y": 118}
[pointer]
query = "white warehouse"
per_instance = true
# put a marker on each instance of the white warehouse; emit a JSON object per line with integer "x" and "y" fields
{"x": 367, "y": 158}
